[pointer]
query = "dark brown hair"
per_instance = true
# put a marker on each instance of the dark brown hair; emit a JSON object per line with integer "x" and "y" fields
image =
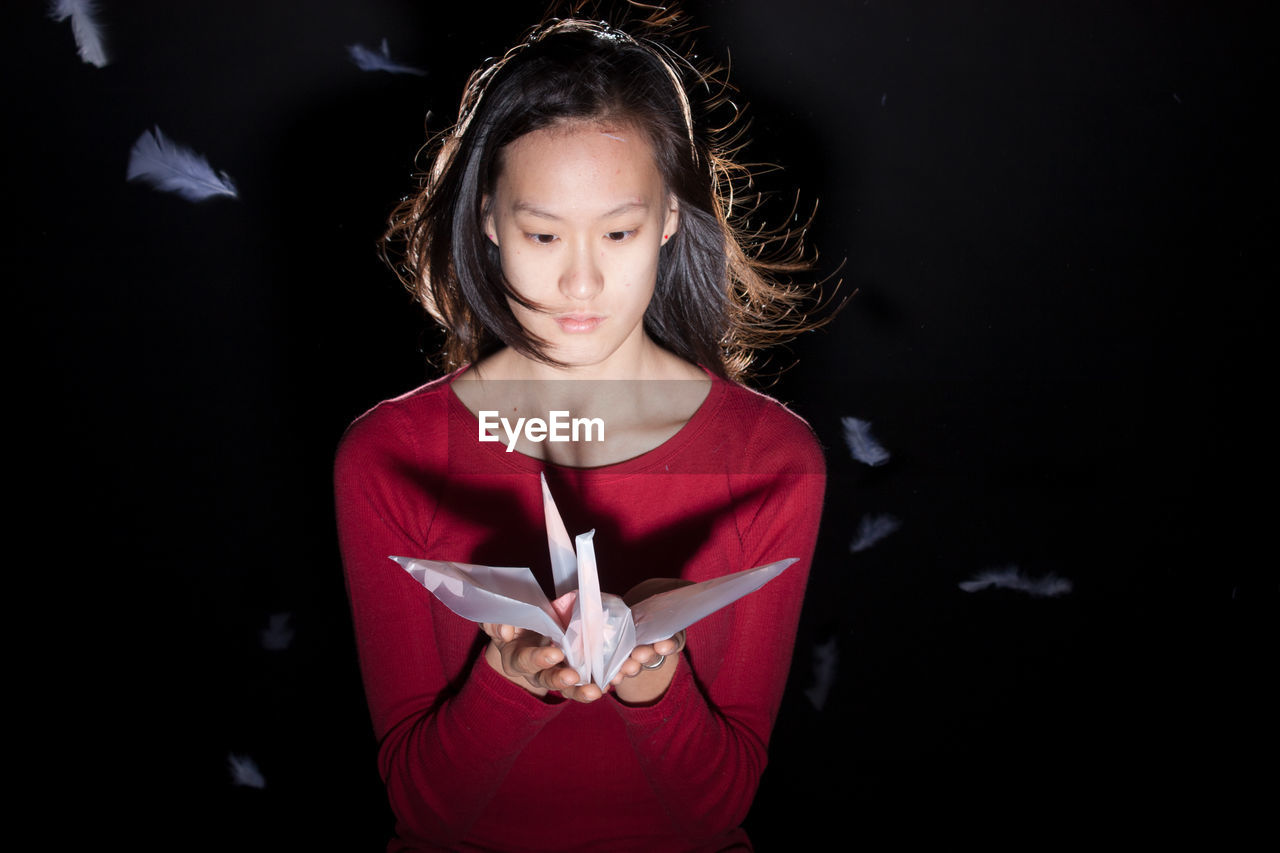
{"x": 721, "y": 292}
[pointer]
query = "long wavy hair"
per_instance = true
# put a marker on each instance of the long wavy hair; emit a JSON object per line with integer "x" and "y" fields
{"x": 723, "y": 292}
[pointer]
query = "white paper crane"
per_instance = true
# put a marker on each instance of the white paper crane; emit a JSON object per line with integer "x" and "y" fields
{"x": 601, "y": 630}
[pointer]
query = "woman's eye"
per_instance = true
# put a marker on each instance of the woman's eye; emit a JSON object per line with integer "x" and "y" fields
{"x": 619, "y": 236}
{"x": 543, "y": 239}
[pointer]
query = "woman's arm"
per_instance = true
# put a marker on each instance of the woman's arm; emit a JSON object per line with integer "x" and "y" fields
{"x": 703, "y": 744}
{"x": 449, "y": 726}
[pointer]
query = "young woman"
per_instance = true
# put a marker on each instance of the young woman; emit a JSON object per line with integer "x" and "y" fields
{"x": 574, "y": 240}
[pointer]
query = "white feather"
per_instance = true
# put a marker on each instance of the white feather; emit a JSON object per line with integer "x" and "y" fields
{"x": 158, "y": 161}
{"x": 1011, "y": 577}
{"x": 369, "y": 60}
{"x": 245, "y": 772}
{"x": 872, "y": 529}
{"x": 277, "y": 636}
{"x": 864, "y": 447}
{"x": 83, "y": 27}
{"x": 825, "y": 658}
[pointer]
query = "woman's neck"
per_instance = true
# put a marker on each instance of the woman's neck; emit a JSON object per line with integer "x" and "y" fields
{"x": 639, "y": 408}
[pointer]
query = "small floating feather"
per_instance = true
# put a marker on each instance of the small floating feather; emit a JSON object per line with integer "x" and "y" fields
{"x": 165, "y": 165}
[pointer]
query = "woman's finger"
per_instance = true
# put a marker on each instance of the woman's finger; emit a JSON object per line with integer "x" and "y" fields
{"x": 504, "y": 633}
{"x": 630, "y": 669}
{"x": 671, "y": 645}
{"x": 585, "y": 693}
{"x": 525, "y": 658}
{"x": 645, "y": 655}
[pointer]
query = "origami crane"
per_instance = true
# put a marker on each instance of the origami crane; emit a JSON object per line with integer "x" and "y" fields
{"x": 600, "y": 631}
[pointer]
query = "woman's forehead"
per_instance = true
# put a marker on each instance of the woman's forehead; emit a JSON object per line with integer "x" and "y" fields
{"x": 598, "y": 167}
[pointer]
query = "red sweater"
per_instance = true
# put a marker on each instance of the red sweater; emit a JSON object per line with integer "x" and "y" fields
{"x": 472, "y": 761}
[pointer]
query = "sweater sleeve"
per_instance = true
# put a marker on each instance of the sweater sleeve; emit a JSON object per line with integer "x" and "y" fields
{"x": 446, "y": 738}
{"x": 703, "y": 744}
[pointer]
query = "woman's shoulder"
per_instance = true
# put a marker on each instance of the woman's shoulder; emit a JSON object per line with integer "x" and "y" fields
{"x": 411, "y": 421}
{"x": 770, "y": 431}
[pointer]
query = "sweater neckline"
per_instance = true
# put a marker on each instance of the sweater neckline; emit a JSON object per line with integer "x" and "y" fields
{"x": 702, "y": 418}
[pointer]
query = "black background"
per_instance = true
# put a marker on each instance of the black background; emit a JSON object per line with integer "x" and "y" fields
{"x": 1056, "y": 216}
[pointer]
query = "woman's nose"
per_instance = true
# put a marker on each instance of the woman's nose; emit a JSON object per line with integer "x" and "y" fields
{"x": 582, "y": 277}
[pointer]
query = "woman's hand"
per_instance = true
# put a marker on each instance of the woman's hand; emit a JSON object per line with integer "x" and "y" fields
{"x": 527, "y": 659}
{"x": 646, "y": 674}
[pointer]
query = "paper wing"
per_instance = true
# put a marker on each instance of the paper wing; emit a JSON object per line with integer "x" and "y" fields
{"x": 664, "y": 614}
{"x": 506, "y": 596}
{"x": 564, "y": 566}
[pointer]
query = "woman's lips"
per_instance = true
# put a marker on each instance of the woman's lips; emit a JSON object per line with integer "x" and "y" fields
{"x": 576, "y": 324}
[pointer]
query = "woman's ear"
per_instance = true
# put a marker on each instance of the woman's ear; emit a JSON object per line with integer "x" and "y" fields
{"x": 490, "y": 228}
{"x": 672, "y": 221}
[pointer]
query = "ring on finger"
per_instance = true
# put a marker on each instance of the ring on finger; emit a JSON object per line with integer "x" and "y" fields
{"x": 655, "y": 664}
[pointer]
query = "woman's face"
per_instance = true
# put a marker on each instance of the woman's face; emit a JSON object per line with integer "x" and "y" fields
{"x": 579, "y": 212}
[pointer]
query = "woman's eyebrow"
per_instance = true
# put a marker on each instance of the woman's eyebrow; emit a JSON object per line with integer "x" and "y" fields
{"x": 533, "y": 210}
{"x": 627, "y": 207}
